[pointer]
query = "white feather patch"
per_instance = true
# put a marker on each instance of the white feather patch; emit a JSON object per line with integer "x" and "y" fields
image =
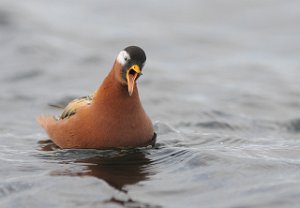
{"x": 123, "y": 57}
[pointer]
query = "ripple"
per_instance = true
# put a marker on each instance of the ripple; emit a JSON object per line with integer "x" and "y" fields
{"x": 215, "y": 125}
{"x": 28, "y": 75}
{"x": 129, "y": 203}
{"x": 9, "y": 188}
{"x": 164, "y": 128}
{"x": 5, "y": 19}
{"x": 293, "y": 125}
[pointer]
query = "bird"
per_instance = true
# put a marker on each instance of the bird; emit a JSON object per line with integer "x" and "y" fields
{"x": 111, "y": 117}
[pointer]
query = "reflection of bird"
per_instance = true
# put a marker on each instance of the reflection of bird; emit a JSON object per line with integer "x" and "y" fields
{"x": 118, "y": 171}
{"x": 112, "y": 116}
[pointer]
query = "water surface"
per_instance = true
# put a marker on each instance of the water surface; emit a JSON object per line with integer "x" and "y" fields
{"x": 221, "y": 84}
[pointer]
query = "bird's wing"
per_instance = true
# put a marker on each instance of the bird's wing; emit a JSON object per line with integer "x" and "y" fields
{"x": 74, "y": 105}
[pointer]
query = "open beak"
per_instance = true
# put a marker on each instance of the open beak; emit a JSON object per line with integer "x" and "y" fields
{"x": 132, "y": 74}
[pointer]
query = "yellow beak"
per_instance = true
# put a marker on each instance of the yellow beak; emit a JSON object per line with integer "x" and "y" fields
{"x": 131, "y": 75}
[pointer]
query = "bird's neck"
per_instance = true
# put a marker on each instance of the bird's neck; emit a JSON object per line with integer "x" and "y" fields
{"x": 112, "y": 92}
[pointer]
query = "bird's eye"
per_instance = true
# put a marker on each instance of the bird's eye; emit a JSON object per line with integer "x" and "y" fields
{"x": 125, "y": 58}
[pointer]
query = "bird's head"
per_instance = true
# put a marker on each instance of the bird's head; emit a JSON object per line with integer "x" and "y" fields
{"x": 129, "y": 65}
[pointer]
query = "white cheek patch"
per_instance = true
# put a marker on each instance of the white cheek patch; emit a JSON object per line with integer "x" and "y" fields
{"x": 123, "y": 57}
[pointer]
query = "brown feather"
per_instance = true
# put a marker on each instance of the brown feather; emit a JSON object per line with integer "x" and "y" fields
{"x": 74, "y": 105}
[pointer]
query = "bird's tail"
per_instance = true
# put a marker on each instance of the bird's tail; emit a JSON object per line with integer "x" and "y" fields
{"x": 45, "y": 121}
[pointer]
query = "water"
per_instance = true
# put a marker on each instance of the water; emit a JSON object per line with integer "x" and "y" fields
{"x": 221, "y": 84}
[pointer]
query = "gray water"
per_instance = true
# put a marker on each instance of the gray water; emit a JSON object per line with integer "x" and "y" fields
{"x": 221, "y": 84}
